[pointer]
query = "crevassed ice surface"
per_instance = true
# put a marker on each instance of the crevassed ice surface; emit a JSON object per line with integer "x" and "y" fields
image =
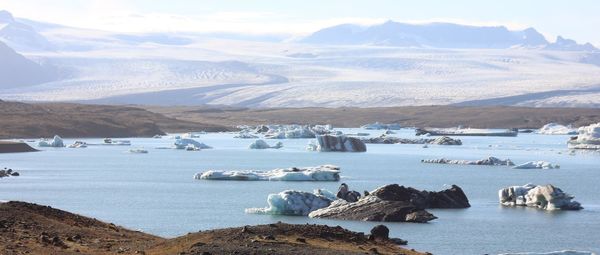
{"x": 156, "y": 192}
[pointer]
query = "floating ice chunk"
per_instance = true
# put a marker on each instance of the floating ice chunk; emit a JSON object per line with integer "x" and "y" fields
{"x": 292, "y": 202}
{"x": 193, "y": 134}
{"x": 318, "y": 173}
{"x": 78, "y": 144}
{"x": 460, "y": 131}
{"x": 245, "y": 135}
{"x": 138, "y": 151}
{"x": 261, "y": 144}
{"x": 294, "y": 131}
{"x": 588, "y": 138}
{"x": 546, "y": 197}
{"x": 340, "y": 143}
{"x": 537, "y": 165}
{"x": 565, "y": 252}
{"x": 184, "y": 144}
{"x": 556, "y": 129}
{"x": 384, "y": 139}
{"x": 109, "y": 141}
{"x": 55, "y": 142}
{"x": 490, "y": 161}
{"x": 378, "y": 126}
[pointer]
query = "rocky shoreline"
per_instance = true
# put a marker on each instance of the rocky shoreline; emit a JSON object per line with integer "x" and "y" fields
{"x": 27, "y": 228}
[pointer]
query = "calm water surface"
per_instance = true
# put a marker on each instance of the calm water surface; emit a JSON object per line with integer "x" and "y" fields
{"x": 156, "y": 193}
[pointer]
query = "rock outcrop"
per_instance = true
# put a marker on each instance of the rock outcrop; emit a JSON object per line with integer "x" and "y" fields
{"x": 7, "y": 172}
{"x": 490, "y": 161}
{"x": 545, "y": 197}
{"x": 340, "y": 143}
{"x": 395, "y": 203}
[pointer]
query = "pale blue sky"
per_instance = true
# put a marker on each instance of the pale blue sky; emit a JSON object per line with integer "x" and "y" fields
{"x": 577, "y": 19}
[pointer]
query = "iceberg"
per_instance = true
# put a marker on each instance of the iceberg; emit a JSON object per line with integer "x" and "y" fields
{"x": 546, "y": 197}
{"x": 138, "y": 151}
{"x": 193, "y": 134}
{"x": 245, "y": 135}
{"x": 187, "y": 143}
{"x": 565, "y": 252}
{"x": 537, "y": 165}
{"x": 379, "y": 126}
{"x": 78, "y": 144}
{"x": 588, "y": 137}
{"x": 340, "y": 143}
{"x": 261, "y": 144}
{"x": 55, "y": 142}
{"x": 557, "y": 129}
{"x": 384, "y": 139}
{"x": 295, "y": 131}
{"x": 460, "y": 131}
{"x": 318, "y": 173}
{"x": 292, "y": 202}
{"x": 490, "y": 161}
{"x": 109, "y": 141}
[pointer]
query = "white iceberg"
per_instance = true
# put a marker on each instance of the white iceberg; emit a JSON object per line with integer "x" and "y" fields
{"x": 261, "y": 144}
{"x": 378, "y": 126}
{"x": 193, "y": 134}
{"x": 78, "y": 144}
{"x": 294, "y": 131}
{"x": 537, "y": 165}
{"x": 556, "y": 129}
{"x": 339, "y": 143}
{"x": 138, "y": 151}
{"x": 245, "y": 135}
{"x": 318, "y": 173}
{"x": 55, "y": 142}
{"x": 588, "y": 137}
{"x": 565, "y": 252}
{"x": 190, "y": 144}
{"x": 490, "y": 161}
{"x": 109, "y": 141}
{"x": 291, "y": 202}
{"x": 546, "y": 197}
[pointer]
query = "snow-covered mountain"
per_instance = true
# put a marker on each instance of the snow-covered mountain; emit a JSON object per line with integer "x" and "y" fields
{"x": 438, "y": 35}
{"x": 20, "y": 36}
{"x": 18, "y": 71}
{"x": 346, "y": 65}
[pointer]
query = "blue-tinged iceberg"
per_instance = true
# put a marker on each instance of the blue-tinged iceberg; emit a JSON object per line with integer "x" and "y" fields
{"x": 537, "y": 165}
{"x": 261, "y": 144}
{"x": 292, "y": 202}
{"x": 318, "y": 173}
{"x": 190, "y": 144}
{"x": 55, "y": 142}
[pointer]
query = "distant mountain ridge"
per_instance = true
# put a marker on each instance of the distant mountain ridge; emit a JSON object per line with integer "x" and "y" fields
{"x": 17, "y": 71}
{"x": 21, "y": 36}
{"x": 439, "y": 35}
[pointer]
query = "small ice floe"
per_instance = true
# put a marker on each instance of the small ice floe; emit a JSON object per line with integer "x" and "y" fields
{"x": 380, "y": 126}
{"x": 546, "y": 197}
{"x": 556, "y": 129}
{"x": 55, "y": 142}
{"x": 358, "y": 134}
{"x": 565, "y": 252}
{"x": 537, "y": 165}
{"x": 292, "y": 202}
{"x": 157, "y": 136}
{"x": 78, "y": 144}
{"x": 193, "y": 134}
{"x": 190, "y": 144}
{"x": 245, "y": 135}
{"x": 318, "y": 173}
{"x": 490, "y": 161}
{"x": 294, "y": 131}
{"x": 138, "y": 151}
{"x": 389, "y": 132}
{"x": 588, "y": 137}
{"x": 460, "y": 131}
{"x": 110, "y": 141}
{"x": 384, "y": 139}
{"x": 340, "y": 143}
{"x": 261, "y": 144}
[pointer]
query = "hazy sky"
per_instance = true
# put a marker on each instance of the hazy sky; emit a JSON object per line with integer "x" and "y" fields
{"x": 576, "y": 19}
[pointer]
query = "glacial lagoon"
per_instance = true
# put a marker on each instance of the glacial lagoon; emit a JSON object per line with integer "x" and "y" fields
{"x": 156, "y": 192}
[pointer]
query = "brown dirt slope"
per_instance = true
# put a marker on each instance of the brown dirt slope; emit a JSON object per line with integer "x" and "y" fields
{"x": 27, "y": 228}
{"x": 417, "y": 116}
{"x": 11, "y": 147}
{"x": 22, "y": 120}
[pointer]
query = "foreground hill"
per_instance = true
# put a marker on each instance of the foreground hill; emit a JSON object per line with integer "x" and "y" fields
{"x": 34, "y": 229}
{"x": 419, "y": 116}
{"x": 21, "y": 120}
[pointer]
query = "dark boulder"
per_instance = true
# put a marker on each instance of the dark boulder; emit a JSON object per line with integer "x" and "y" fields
{"x": 380, "y": 232}
{"x": 453, "y": 197}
